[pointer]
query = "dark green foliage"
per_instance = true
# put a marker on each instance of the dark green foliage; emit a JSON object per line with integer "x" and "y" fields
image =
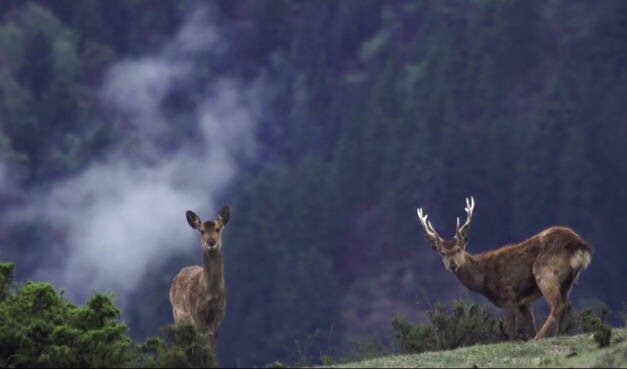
{"x": 54, "y": 55}
{"x": 414, "y": 338}
{"x": 465, "y": 325}
{"x": 293, "y": 297}
{"x": 36, "y": 72}
{"x": 602, "y": 335}
{"x": 6, "y": 277}
{"x": 38, "y": 327}
{"x": 183, "y": 347}
{"x": 584, "y": 320}
{"x": 45, "y": 102}
{"x": 590, "y": 320}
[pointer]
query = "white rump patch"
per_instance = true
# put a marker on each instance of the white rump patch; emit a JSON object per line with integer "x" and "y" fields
{"x": 580, "y": 259}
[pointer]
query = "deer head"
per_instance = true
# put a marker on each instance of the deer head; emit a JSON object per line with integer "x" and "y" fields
{"x": 452, "y": 250}
{"x": 211, "y": 230}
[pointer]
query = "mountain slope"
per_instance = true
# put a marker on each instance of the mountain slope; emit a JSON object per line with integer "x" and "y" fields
{"x": 566, "y": 352}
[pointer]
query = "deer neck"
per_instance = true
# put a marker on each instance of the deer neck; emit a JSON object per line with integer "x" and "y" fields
{"x": 471, "y": 274}
{"x": 213, "y": 269}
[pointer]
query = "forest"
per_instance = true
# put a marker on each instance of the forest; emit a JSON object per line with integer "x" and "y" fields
{"x": 323, "y": 125}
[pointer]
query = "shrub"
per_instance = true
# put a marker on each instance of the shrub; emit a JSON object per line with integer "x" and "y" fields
{"x": 183, "y": 347}
{"x": 414, "y": 338}
{"x": 602, "y": 335}
{"x": 40, "y": 328}
{"x": 6, "y": 276}
{"x": 466, "y": 324}
{"x": 588, "y": 320}
{"x": 585, "y": 320}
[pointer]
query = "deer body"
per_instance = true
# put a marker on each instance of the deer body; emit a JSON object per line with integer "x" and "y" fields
{"x": 514, "y": 276}
{"x": 198, "y": 294}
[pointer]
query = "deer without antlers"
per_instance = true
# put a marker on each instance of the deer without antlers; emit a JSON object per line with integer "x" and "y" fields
{"x": 513, "y": 276}
{"x": 198, "y": 294}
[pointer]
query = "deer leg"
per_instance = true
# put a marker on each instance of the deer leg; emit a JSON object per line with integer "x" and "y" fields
{"x": 565, "y": 291}
{"x": 549, "y": 285}
{"x": 509, "y": 317}
{"x": 560, "y": 325}
{"x": 526, "y": 320}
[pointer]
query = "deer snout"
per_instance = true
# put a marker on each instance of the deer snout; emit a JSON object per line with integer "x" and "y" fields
{"x": 453, "y": 266}
{"x": 211, "y": 243}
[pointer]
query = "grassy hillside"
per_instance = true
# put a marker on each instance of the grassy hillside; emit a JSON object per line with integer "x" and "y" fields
{"x": 565, "y": 352}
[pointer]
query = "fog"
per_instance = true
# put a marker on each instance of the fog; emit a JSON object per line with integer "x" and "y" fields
{"x": 125, "y": 213}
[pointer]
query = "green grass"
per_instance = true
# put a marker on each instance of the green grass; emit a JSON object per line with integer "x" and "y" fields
{"x": 567, "y": 352}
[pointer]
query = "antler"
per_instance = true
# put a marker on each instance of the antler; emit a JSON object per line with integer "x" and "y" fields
{"x": 429, "y": 230}
{"x": 470, "y": 206}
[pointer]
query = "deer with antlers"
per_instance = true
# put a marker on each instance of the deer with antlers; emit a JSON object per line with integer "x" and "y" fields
{"x": 198, "y": 294}
{"x": 514, "y": 276}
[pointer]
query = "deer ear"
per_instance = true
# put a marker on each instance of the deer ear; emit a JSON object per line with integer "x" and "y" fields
{"x": 463, "y": 235}
{"x": 193, "y": 219}
{"x": 224, "y": 215}
{"x": 432, "y": 242}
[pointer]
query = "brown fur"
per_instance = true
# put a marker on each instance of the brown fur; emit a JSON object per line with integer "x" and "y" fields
{"x": 514, "y": 276}
{"x": 198, "y": 294}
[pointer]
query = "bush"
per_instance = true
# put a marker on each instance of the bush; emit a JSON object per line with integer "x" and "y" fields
{"x": 585, "y": 320}
{"x": 467, "y": 324}
{"x": 6, "y": 277}
{"x": 414, "y": 338}
{"x": 602, "y": 335}
{"x": 39, "y": 328}
{"x": 588, "y": 320}
{"x": 183, "y": 347}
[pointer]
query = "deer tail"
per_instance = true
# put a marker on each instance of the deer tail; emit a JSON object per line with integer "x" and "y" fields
{"x": 580, "y": 258}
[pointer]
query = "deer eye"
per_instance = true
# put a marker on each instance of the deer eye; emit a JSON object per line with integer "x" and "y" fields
{"x": 202, "y": 231}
